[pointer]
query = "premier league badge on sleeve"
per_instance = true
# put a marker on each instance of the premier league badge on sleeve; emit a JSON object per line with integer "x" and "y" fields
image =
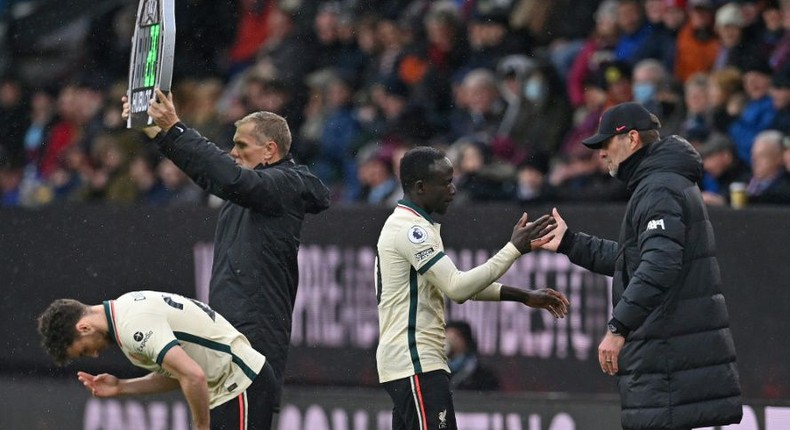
{"x": 417, "y": 235}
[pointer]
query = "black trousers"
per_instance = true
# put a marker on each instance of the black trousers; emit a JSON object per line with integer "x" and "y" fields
{"x": 251, "y": 410}
{"x": 422, "y": 402}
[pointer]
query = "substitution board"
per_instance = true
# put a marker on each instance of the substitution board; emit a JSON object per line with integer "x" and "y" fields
{"x": 151, "y": 63}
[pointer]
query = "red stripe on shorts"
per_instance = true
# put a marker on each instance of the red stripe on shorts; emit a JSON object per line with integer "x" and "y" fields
{"x": 241, "y": 411}
{"x": 420, "y": 402}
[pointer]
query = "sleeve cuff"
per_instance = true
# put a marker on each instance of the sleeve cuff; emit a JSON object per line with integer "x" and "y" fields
{"x": 617, "y": 327}
{"x": 566, "y": 242}
{"x": 511, "y": 251}
{"x": 176, "y": 131}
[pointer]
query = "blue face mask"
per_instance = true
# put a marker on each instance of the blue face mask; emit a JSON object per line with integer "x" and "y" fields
{"x": 644, "y": 92}
{"x": 535, "y": 90}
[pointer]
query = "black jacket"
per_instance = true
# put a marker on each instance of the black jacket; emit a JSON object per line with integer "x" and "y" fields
{"x": 255, "y": 274}
{"x": 677, "y": 367}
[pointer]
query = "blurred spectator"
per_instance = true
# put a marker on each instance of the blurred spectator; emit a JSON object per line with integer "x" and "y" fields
{"x": 722, "y": 167}
{"x": 392, "y": 46}
{"x": 583, "y": 177}
{"x": 664, "y": 19}
{"x": 586, "y": 117}
{"x": 726, "y": 97}
{"x": 283, "y": 44}
{"x": 758, "y": 113}
{"x": 327, "y": 42}
{"x": 786, "y": 153}
{"x": 544, "y": 117}
{"x": 110, "y": 181}
{"x": 251, "y": 32}
{"x": 13, "y": 119}
{"x": 770, "y": 182}
{"x": 10, "y": 181}
{"x": 781, "y": 53}
{"x": 780, "y": 96}
{"x": 478, "y": 176}
{"x": 597, "y": 49}
{"x": 466, "y": 370}
{"x": 532, "y": 182}
{"x": 634, "y": 31}
{"x": 655, "y": 89}
{"x": 379, "y": 186}
{"x": 42, "y": 116}
{"x": 150, "y": 189}
{"x": 489, "y": 40}
{"x": 696, "y": 127}
{"x": 181, "y": 190}
{"x": 512, "y": 72}
{"x": 444, "y": 52}
{"x": 481, "y": 108}
{"x": 772, "y": 31}
{"x": 615, "y": 78}
{"x": 734, "y": 50}
{"x": 335, "y": 164}
{"x": 697, "y": 45}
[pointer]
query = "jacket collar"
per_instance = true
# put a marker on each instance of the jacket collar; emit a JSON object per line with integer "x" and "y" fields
{"x": 285, "y": 160}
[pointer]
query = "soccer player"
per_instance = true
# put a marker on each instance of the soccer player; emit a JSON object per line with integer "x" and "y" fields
{"x": 413, "y": 277}
{"x": 183, "y": 342}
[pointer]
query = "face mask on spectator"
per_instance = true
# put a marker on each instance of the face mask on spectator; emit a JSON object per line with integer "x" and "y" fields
{"x": 535, "y": 90}
{"x": 644, "y": 92}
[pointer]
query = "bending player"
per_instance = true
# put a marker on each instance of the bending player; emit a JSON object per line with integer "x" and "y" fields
{"x": 185, "y": 344}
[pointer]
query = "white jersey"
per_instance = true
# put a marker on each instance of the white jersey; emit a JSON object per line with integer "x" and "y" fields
{"x": 411, "y": 310}
{"x": 146, "y": 324}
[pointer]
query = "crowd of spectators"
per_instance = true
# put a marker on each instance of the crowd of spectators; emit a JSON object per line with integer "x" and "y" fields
{"x": 508, "y": 88}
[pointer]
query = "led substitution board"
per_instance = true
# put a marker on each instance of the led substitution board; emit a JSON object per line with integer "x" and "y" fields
{"x": 151, "y": 63}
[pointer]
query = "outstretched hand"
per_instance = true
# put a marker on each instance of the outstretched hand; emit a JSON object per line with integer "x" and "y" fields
{"x": 551, "y": 300}
{"x": 532, "y": 235}
{"x": 104, "y": 385}
{"x": 151, "y": 131}
{"x": 554, "y": 244}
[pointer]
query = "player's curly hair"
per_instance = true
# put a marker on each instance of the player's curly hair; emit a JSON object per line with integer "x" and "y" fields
{"x": 56, "y": 325}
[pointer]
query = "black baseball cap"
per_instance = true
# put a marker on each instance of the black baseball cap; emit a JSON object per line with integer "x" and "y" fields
{"x": 621, "y": 119}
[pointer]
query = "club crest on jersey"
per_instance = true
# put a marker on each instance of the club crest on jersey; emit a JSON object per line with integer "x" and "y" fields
{"x": 417, "y": 235}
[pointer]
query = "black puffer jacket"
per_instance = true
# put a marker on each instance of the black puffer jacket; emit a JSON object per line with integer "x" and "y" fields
{"x": 255, "y": 274}
{"x": 677, "y": 367}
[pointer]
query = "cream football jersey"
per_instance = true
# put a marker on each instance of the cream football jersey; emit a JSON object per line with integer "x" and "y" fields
{"x": 411, "y": 310}
{"x": 146, "y": 324}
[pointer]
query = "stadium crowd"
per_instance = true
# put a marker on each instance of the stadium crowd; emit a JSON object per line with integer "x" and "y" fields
{"x": 508, "y": 88}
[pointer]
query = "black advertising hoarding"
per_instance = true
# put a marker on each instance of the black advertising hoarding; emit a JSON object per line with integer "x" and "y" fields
{"x": 93, "y": 253}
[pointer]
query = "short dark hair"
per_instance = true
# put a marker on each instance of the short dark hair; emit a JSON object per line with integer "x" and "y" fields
{"x": 465, "y": 330}
{"x": 416, "y": 165}
{"x": 649, "y": 136}
{"x": 57, "y": 327}
{"x": 269, "y": 125}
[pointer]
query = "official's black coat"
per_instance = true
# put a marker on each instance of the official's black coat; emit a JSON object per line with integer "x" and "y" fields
{"x": 677, "y": 367}
{"x": 255, "y": 274}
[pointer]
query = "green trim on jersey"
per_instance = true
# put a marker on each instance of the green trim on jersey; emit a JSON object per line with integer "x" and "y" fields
{"x": 417, "y": 209}
{"x": 110, "y": 321}
{"x": 427, "y": 266}
{"x": 217, "y": 347}
{"x": 412, "y": 332}
{"x": 161, "y": 357}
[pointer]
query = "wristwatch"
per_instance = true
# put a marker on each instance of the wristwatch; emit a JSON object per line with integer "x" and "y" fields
{"x": 616, "y": 328}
